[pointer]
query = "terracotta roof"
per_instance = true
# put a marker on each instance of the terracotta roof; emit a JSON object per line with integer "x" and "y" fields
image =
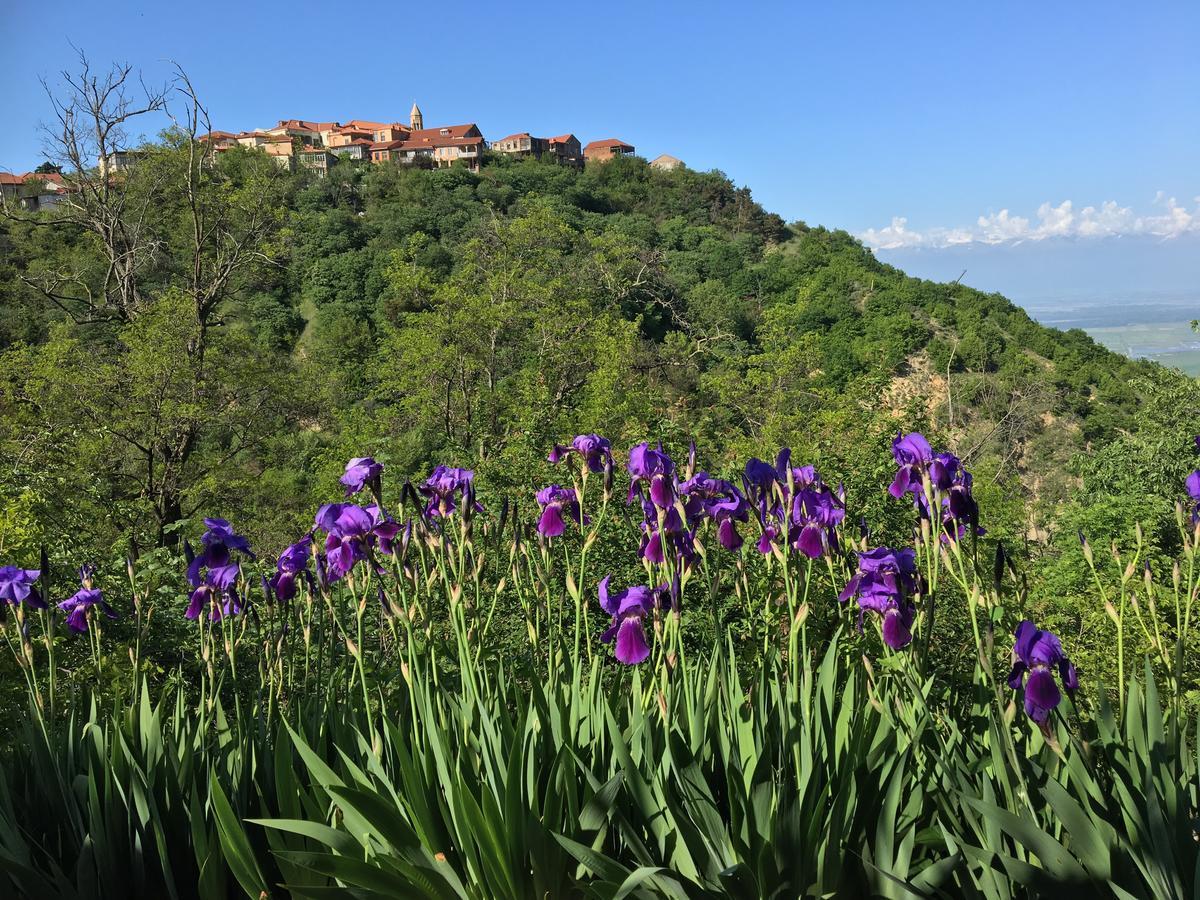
{"x": 607, "y": 143}
{"x": 6, "y": 178}
{"x": 519, "y": 134}
{"x": 218, "y": 135}
{"x": 363, "y": 125}
{"x": 561, "y": 139}
{"x": 428, "y": 144}
{"x": 429, "y": 134}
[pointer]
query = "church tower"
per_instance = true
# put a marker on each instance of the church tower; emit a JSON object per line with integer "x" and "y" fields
{"x": 414, "y": 118}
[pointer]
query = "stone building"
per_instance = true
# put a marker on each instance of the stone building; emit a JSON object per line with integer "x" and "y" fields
{"x": 666, "y": 162}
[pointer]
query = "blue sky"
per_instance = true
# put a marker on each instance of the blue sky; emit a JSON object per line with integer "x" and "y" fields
{"x": 913, "y": 124}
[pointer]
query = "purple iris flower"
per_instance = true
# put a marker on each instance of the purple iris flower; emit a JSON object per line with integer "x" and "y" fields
{"x": 914, "y": 456}
{"x": 707, "y": 497}
{"x": 218, "y": 540}
{"x": 595, "y": 450}
{"x": 80, "y": 602}
{"x": 655, "y": 468}
{"x": 293, "y": 562}
{"x": 217, "y": 593}
{"x": 816, "y": 513}
{"x": 555, "y": 500}
{"x": 628, "y": 609}
{"x": 883, "y": 584}
{"x": 1193, "y": 488}
{"x": 1037, "y": 654}
{"x": 446, "y": 485}
{"x": 16, "y": 586}
{"x": 794, "y": 504}
{"x": 348, "y": 536}
{"x": 221, "y": 532}
{"x": 362, "y": 471}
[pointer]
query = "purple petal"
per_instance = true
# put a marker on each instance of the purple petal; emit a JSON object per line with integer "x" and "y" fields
{"x": 1041, "y": 695}
{"x": 728, "y": 536}
{"x": 896, "y": 629}
{"x": 810, "y": 543}
{"x": 551, "y": 523}
{"x": 631, "y": 642}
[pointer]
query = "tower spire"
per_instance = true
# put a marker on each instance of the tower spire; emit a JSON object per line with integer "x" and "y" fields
{"x": 415, "y": 119}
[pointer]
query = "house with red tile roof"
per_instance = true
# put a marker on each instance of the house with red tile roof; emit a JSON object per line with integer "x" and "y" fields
{"x": 33, "y": 190}
{"x": 443, "y": 146}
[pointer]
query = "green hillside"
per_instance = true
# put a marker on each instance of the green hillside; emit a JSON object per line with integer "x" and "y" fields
{"x": 424, "y": 313}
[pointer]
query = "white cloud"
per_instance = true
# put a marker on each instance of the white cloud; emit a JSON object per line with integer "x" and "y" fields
{"x": 1166, "y": 219}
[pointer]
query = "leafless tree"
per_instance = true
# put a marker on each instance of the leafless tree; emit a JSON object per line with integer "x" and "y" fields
{"x": 92, "y": 117}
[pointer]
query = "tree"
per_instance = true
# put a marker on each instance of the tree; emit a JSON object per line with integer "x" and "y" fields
{"x": 164, "y": 246}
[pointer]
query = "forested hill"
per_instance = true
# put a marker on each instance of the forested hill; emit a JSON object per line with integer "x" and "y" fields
{"x": 444, "y": 315}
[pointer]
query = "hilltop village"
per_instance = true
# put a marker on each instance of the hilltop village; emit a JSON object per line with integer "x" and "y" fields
{"x": 317, "y": 145}
{"x": 299, "y": 143}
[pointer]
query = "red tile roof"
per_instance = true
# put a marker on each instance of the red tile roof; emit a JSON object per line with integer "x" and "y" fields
{"x": 218, "y": 135}
{"x": 432, "y": 134}
{"x": 613, "y": 143}
{"x": 6, "y": 178}
{"x": 513, "y": 137}
{"x": 560, "y": 139}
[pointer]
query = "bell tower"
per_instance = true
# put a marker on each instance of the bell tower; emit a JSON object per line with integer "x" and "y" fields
{"x": 415, "y": 121}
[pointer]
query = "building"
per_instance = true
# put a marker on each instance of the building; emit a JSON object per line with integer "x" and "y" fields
{"x": 282, "y": 149}
{"x": 317, "y": 159}
{"x": 603, "y": 151}
{"x": 219, "y": 140}
{"x": 311, "y": 134}
{"x": 562, "y": 149}
{"x": 416, "y": 121}
{"x": 666, "y": 162}
{"x": 33, "y": 191}
{"x": 119, "y": 161}
{"x": 565, "y": 149}
{"x": 10, "y": 186}
{"x": 443, "y": 147}
{"x": 358, "y": 150}
{"x": 521, "y": 144}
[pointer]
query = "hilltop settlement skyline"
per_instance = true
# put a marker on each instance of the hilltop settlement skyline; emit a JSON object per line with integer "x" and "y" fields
{"x": 317, "y": 145}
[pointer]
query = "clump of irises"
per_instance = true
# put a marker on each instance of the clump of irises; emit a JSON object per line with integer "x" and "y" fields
{"x": 794, "y": 509}
{"x": 940, "y": 478}
{"x": 794, "y": 506}
{"x": 214, "y": 572}
{"x": 884, "y": 585}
